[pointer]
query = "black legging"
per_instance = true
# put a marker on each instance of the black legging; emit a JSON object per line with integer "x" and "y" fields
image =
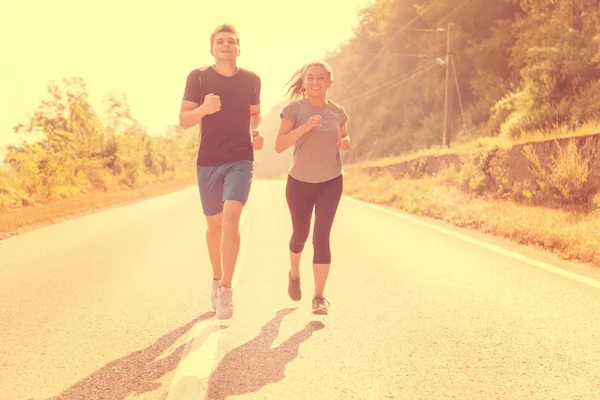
{"x": 301, "y": 198}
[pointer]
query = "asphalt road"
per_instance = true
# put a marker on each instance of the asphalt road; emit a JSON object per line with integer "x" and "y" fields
{"x": 115, "y": 305}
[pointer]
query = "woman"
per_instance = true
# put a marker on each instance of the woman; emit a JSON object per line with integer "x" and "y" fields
{"x": 316, "y": 127}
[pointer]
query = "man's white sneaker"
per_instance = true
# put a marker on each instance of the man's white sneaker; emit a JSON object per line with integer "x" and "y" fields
{"x": 224, "y": 303}
{"x": 213, "y": 294}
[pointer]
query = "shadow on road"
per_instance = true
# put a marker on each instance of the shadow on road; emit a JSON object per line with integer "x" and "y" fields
{"x": 253, "y": 365}
{"x": 136, "y": 373}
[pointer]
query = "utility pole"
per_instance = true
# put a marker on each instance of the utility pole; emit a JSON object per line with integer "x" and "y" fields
{"x": 448, "y": 99}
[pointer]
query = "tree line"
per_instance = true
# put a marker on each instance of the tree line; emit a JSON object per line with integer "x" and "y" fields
{"x": 516, "y": 66}
{"x": 70, "y": 148}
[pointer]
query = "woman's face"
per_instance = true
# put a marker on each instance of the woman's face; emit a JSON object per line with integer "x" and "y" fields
{"x": 316, "y": 81}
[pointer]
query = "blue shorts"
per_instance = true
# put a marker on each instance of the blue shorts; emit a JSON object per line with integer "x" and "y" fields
{"x": 230, "y": 181}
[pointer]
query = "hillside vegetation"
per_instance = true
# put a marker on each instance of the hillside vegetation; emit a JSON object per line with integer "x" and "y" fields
{"x": 69, "y": 148}
{"x": 521, "y": 66}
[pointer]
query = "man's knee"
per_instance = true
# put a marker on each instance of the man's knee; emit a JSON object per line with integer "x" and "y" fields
{"x": 214, "y": 223}
{"x": 232, "y": 212}
{"x": 231, "y": 225}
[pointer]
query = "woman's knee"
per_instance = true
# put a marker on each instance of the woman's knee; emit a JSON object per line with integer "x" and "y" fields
{"x": 297, "y": 241}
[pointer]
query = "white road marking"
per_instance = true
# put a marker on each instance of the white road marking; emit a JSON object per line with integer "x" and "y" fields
{"x": 536, "y": 263}
{"x": 191, "y": 377}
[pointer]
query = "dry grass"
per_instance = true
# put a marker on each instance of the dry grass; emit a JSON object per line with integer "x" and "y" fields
{"x": 571, "y": 235}
{"x": 385, "y": 161}
{"x": 590, "y": 128}
{"x": 17, "y": 220}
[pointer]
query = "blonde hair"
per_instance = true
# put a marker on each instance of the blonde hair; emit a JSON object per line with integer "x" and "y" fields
{"x": 296, "y": 82}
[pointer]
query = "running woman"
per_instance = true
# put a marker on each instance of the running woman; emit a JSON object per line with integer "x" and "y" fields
{"x": 317, "y": 128}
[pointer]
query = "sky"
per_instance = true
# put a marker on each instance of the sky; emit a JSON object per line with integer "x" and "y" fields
{"x": 146, "y": 50}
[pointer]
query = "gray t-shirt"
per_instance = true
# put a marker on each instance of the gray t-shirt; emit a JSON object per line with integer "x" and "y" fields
{"x": 316, "y": 154}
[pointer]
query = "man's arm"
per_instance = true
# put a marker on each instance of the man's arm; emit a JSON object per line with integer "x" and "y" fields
{"x": 255, "y": 117}
{"x": 193, "y": 106}
{"x": 190, "y": 114}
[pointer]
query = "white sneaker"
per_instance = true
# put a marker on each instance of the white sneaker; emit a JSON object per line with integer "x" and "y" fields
{"x": 213, "y": 294}
{"x": 224, "y": 303}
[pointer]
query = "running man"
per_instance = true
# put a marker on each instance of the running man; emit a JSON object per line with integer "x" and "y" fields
{"x": 225, "y": 100}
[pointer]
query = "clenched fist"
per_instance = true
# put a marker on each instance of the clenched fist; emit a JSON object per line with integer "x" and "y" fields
{"x": 212, "y": 104}
{"x": 257, "y": 140}
{"x": 313, "y": 121}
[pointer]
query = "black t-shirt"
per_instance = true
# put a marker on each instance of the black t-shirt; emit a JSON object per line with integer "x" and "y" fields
{"x": 226, "y": 133}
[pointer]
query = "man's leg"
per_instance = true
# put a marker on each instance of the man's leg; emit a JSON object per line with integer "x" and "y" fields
{"x": 210, "y": 185}
{"x": 230, "y": 243}
{"x": 213, "y": 240}
{"x": 237, "y": 182}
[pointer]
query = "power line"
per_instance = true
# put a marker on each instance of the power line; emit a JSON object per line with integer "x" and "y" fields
{"x": 388, "y": 82}
{"x": 415, "y": 55}
{"x": 426, "y": 30}
{"x": 392, "y": 83}
{"x": 390, "y": 41}
{"x": 461, "y": 5}
{"x": 402, "y": 30}
{"x": 413, "y": 41}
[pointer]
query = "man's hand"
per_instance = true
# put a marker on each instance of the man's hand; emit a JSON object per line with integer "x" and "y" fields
{"x": 212, "y": 104}
{"x": 344, "y": 143}
{"x": 257, "y": 140}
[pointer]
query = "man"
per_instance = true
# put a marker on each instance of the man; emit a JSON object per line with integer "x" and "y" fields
{"x": 225, "y": 100}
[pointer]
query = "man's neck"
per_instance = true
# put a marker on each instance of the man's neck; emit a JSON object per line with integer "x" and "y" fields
{"x": 226, "y": 68}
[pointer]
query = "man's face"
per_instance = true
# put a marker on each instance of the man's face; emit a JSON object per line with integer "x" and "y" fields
{"x": 225, "y": 46}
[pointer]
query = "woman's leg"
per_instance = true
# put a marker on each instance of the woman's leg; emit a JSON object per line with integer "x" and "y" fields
{"x": 300, "y": 199}
{"x": 325, "y": 209}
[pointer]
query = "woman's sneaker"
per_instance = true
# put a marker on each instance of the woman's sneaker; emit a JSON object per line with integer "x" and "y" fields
{"x": 320, "y": 306}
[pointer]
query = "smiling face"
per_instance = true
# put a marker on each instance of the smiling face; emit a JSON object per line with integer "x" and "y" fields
{"x": 316, "y": 81}
{"x": 225, "y": 46}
